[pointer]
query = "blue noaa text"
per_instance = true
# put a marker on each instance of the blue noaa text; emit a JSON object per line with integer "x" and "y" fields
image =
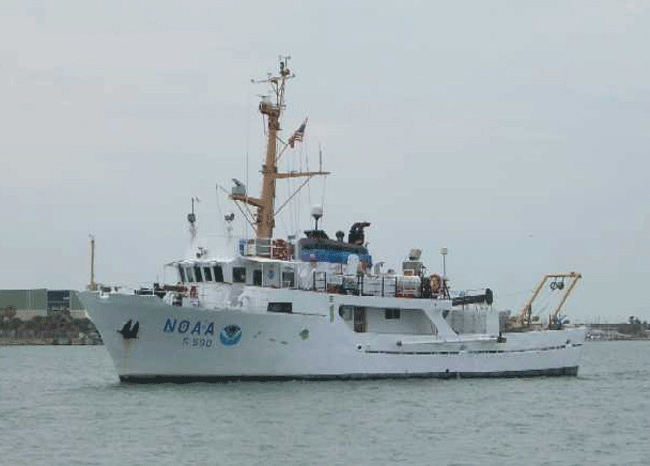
{"x": 184, "y": 326}
{"x": 230, "y": 335}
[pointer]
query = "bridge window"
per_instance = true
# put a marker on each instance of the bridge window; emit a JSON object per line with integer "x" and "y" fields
{"x": 181, "y": 272}
{"x": 218, "y": 274}
{"x": 207, "y": 273}
{"x": 239, "y": 274}
{"x": 190, "y": 274}
{"x": 197, "y": 273}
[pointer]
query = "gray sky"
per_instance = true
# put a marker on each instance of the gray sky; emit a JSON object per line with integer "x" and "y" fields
{"x": 515, "y": 135}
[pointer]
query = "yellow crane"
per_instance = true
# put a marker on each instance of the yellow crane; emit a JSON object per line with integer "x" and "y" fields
{"x": 525, "y": 315}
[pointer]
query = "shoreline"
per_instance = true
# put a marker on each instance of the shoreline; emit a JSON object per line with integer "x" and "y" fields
{"x": 47, "y": 342}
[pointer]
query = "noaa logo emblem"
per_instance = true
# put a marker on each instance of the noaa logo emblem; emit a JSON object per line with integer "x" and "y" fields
{"x": 230, "y": 335}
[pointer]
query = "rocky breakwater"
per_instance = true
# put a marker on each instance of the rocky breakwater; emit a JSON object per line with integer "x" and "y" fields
{"x": 59, "y": 328}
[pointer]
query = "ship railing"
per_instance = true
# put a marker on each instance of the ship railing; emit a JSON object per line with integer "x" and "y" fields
{"x": 366, "y": 285}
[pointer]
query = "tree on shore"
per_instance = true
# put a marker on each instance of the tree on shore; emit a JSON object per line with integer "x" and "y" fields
{"x": 8, "y": 312}
{"x": 57, "y": 325}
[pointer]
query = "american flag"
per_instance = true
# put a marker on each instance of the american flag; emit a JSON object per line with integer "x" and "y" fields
{"x": 298, "y": 134}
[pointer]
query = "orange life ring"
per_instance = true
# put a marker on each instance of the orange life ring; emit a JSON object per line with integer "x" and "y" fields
{"x": 193, "y": 292}
{"x": 435, "y": 281}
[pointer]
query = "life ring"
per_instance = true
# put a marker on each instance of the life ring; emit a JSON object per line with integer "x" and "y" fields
{"x": 193, "y": 292}
{"x": 435, "y": 281}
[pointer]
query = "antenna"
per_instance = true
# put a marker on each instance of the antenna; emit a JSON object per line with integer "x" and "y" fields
{"x": 320, "y": 157}
{"x": 285, "y": 72}
{"x": 191, "y": 217}
{"x": 284, "y": 65}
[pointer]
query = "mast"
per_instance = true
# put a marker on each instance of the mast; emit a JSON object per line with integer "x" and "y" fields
{"x": 265, "y": 217}
{"x": 265, "y": 205}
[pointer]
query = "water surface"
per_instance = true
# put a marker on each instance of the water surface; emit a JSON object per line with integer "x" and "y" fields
{"x": 65, "y": 405}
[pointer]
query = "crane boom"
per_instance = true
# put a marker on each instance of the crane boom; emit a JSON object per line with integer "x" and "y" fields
{"x": 525, "y": 315}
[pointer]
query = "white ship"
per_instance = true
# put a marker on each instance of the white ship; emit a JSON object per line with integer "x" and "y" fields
{"x": 316, "y": 308}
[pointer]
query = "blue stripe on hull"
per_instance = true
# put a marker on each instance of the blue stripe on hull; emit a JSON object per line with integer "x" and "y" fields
{"x": 181, "y": 379}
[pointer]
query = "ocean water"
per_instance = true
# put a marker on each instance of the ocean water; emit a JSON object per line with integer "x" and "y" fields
{"x": 65, "y": 405}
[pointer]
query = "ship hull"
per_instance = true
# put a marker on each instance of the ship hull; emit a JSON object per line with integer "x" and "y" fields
{"x": 185, "y": 344}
